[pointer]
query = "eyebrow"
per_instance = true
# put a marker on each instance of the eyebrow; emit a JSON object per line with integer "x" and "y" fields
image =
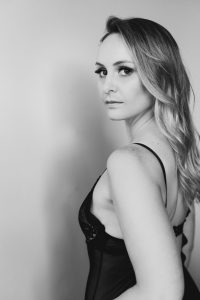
{"x": 116, "y": 63}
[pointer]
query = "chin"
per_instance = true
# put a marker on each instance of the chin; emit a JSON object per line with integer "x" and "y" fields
{"x": 117, "y": 116}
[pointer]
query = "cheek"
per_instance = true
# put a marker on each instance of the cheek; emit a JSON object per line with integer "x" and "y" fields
{"x": 131, "y": 91}
{"x": 136, "y": 89}
{"x": 138, "y": 96}
{"x": 100, "y": 88}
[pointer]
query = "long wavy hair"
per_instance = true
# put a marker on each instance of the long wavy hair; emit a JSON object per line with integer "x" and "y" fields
{"x": 162, "y": 72}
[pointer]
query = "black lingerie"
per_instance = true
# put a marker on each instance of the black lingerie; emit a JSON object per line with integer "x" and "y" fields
{"x": 111, "y": 272}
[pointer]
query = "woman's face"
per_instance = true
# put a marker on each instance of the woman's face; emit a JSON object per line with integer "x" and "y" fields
{"x": 118, "y": 81}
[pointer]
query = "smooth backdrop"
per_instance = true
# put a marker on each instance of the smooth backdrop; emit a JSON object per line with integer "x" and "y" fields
{"x": 55, "y": 135}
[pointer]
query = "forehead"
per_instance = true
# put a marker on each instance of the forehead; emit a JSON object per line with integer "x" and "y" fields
{"x": 113, "y": 49}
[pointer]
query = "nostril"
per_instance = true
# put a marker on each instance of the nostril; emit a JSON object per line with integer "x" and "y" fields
{"x": 109, "y": 88}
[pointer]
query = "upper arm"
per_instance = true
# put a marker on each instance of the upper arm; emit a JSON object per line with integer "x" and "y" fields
{"x": 147, "y": 233}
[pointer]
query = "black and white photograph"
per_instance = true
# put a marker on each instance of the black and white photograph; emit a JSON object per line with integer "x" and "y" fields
{"x": 100, "y": 150}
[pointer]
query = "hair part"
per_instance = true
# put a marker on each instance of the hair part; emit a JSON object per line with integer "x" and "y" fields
{"x": 162, "y": 72}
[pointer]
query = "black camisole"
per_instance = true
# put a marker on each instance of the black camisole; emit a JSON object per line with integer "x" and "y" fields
{"x": 111, "y": 272}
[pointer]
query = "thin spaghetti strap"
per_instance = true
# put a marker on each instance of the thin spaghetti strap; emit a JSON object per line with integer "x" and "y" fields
{"x": 161, "y": 164}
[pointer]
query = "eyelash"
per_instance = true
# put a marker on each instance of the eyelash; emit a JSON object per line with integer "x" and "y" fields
{"x": 130, "y": 71}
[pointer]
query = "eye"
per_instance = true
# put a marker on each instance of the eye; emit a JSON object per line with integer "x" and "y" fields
{"x": 124, "y": 71}
{"x": 101, "y": 72}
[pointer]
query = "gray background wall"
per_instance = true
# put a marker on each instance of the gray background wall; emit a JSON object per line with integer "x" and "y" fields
{"x": 55, "y": 135}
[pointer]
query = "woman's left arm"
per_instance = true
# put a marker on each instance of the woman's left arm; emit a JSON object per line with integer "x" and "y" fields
{"x": 147, "y": 232}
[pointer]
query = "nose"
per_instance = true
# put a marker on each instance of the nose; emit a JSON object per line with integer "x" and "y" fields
{"x": 109, "y": 84}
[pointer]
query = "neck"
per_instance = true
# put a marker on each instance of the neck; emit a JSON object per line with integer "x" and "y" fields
{"x": 143, "y": 127}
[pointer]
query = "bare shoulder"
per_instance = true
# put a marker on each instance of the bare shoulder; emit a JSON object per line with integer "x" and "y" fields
{"x": 120, "y": 154}
{"x": 130, "y": 179}
{"x": 125, "y": 154}
{"x": 124, "y": 158}
{"x": 134, "y": 160}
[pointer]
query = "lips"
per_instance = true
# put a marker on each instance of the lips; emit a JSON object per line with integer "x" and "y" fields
{"x": 112, "y": 102}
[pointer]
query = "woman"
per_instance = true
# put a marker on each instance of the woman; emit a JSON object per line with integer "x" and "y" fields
{"x": 134, "y": 215}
